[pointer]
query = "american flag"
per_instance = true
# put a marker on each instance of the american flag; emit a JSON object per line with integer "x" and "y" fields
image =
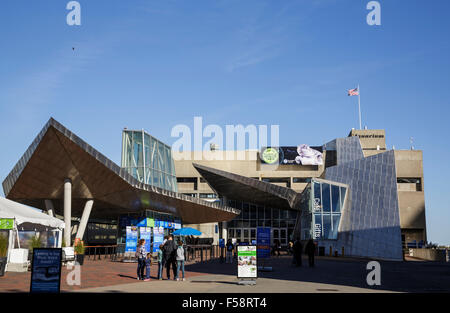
{"x": 353, "y": 92}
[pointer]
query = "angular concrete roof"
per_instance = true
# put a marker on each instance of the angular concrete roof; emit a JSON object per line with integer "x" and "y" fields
{"x": 57, "y": 153}
{"x": 247, "y": 189}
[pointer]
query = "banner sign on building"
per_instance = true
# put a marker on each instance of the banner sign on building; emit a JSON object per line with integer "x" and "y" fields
{"x": 158, "y": 238}
{"x": 6, "y": 223}
{"x": 146, "y": 233}
{"x": 142, "y": 222}
{"x": 300, "y": 155}
{"x": 131, "y": 239}
{"x": 150, "y": 222}
{"x": 263, "y": 242}
{"x": 247, "y": 267}
{"x": 46, "y": 270}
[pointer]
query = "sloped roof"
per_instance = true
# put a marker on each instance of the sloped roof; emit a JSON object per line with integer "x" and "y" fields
{"x": 57, "y": 153}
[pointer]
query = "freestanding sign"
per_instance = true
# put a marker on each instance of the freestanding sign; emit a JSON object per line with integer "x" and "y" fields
{"x": 247, "y": 267}
{"x": 46, "y": 270}
{"x": 158, "y": 238}
{"x": 131, "y": 240}
{"x": 263, "y": 242}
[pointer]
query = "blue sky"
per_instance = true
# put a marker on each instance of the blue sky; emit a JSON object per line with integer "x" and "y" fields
{"x": 155, "y": 64}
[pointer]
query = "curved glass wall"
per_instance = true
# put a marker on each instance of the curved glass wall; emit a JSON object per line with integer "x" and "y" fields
{"x": 148, "y": 159}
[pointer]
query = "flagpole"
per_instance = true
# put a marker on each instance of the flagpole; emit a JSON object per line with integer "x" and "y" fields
{"x": 359, "y": 107}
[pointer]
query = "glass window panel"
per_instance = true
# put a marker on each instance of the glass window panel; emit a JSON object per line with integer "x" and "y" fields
{"x": 275, "y": 223}
{"x": 336, "y": 219}
{"x": 253, "y": 223}
{"x": 268, "y": 213}
{"x": 253, "y": 234}
{"x": 253, "y": 212}
{"x": 231, "y": 233}
{"x": 260, "y": 213}
{"x": 275, "y": 213}
{"x": 283, "y": 223}
{"x": 343, "y": 190}
{"x": 246, "y": 235}
{"x": 335, "y": 202}
{"x": 245, "y": 213}
{"x": 326, "y": 203}
{"x": 317, "y": 197}
{"x": 238, "y": 233}
{"x": 327, "y": 226}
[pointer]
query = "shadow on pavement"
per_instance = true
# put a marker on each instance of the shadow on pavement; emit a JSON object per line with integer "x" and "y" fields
{"x": 395, "y": 276}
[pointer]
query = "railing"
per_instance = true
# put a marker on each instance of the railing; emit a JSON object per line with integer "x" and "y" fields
{"x": 193, "y": 252}
{"x": 98, "y": 251}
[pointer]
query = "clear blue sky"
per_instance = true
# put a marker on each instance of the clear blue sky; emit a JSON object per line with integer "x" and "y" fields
{"x": 155, "y": 64}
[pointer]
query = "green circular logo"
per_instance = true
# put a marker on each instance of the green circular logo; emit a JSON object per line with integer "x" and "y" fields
{"x": 270, "y": 155}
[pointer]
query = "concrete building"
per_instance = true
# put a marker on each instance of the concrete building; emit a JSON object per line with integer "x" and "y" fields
{"x": 401, "y": 171}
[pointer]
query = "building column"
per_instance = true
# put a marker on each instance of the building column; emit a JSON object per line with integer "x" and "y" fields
{"x": 67, "y": 212}
{"x": 84, "y": 219}
{"x": 50, "y": 208}
{"x": 224, "y": 224}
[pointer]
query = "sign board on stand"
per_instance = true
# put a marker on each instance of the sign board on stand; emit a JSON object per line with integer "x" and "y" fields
{"x": 46, "y": 270}
{"x": 263, "y": 246}
{"x": 247, "y": 266}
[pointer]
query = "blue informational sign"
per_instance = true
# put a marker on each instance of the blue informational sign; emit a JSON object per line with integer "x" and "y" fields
{"x": 131, "y": 240}
{"x": 263, "y": 242}
{"x": 146, "y": 233}
{"x": 46, "y": 270}
{"x": 156, "y": 223}
{"x": 158, "y": 238}
{"x": 222, "y": 243}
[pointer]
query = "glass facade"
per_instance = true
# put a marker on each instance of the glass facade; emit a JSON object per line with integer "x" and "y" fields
{"x": 148, "y": 160}
{"x": 321, "y": 212}
{"x": 243, "y": 227}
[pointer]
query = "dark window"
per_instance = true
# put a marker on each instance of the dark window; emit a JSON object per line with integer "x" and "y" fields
{"x": 302, "y": 180}
{"x": 416, "y": 181}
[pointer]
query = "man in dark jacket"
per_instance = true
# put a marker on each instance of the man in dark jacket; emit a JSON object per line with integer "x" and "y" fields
{"x": 298, "y": 252}
{"x": 170, "y": 249}
{"x": 310, "y": 250}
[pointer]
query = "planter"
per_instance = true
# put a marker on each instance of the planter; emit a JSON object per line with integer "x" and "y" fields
{"x": 79, "y": 258}
{"x": 2, "y": 266}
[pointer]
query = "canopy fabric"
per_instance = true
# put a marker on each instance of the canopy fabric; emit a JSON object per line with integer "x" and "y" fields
{"x": 24, "y": 214}
{"x": 187, "y": 231}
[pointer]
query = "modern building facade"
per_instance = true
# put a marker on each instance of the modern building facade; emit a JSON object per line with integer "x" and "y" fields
{"x": 360, "y": 197}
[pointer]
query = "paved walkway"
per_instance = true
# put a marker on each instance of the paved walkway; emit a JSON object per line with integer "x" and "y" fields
{"x": 330, "y": 275}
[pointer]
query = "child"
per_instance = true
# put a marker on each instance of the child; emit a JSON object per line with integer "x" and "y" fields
{"x": 148, "y": 262}
{"x": 180, "y": 259}
{"x": 160, "y": 262}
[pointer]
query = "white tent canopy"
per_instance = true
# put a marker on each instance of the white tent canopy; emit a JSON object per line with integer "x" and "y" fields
{"x": 24, "y": 214}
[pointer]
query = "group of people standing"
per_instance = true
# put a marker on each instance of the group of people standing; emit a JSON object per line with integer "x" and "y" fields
{"x": 310, "y": 250}
{"x": 170, "y": 254}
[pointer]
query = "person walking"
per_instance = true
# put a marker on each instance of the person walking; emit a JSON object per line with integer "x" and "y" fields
{"x": 310, "y": 250}
{"x": 229, "y": 253}
{"x": 160, "y": 261}
{"x": 170, "y": 256}
{"x": 297, "y": 251}
{"x": 140, "y": 255}
{"x": 180, "y": 260}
